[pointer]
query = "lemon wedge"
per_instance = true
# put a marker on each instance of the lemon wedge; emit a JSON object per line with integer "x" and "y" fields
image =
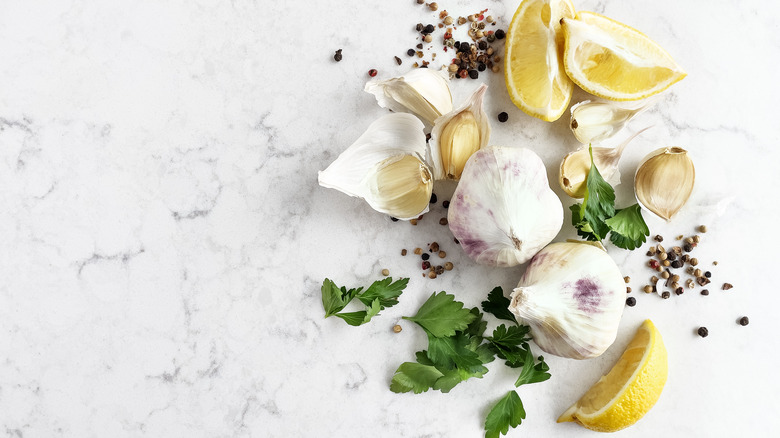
{"x": 629, "y": 390}
{"x": 614, "y": 61}
{"x": 533, "y": 61}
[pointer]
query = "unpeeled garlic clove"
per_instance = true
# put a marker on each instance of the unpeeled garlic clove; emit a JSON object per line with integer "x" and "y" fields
{"x": 575, "y": 166}
{"x": 664, "y": 181}
{"x": 385, "y": 167}
{"x": 593, "y": 122}
{"x": 423, "y": 92}
{"x": 457, "y": 135}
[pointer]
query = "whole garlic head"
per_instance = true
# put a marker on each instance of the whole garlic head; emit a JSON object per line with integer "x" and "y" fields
{"x": 503, "y": 210}
{"x": 572, "y": 296}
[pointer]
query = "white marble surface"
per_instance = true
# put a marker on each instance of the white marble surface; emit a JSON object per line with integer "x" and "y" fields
{"x": 164, "y": 237}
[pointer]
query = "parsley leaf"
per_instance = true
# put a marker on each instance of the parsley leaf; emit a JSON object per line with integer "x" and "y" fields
{"x": 411, "y": 376}
{"x": 509, "y": 344}
{"x": 508, "y": 412}
{"x": 385, "y": 290}
{"x": 441, "y": 315}
{"x": 453, "y": 352}
{"x": 599, "y": 202}
{"x": 629, "y": 230}
{"x": 532, "y": 373}
{"x": 334, "y": 299}
{"x": 498, "y": 305}
{"x": 363, "y": 316}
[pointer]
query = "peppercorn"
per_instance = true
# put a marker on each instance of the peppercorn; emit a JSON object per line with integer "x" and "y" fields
{"x": 473, "y": 74}
{"x": 410, "y": 52}
{"x": 428, "y": 29}
{"x": 461, "y": 20}
{"x": 659, "y": 249}
{"x": 689, "y": 240}
{"x": 687, "y": 247}
{"x": 702, "y": 228}
{"x": 627, "y": 279}
{"x": 398, "y": 60}
{"x": 464, "y": 47}
{"x": 337, "y": 57}
{"x": 448, "y": 20}
{"x": 503, "y": 117}
{"x": 489, "y": 19}
{"x": 434, "y": 247}
{"x": 472, "y": 18}
{"x": 679, "y": 290}
{"x": 455, "y": 239}
{"x": 665, "y": 275}
{"x": 648, "y": 289}
{"x": 694, "y": 261}
{"x": 372, "y": 72}
{"x": 666, "y": 295}
{"x": 443, "y": 221}
{"x": 428, "y": 38}
{"x": 419, "y": 46}
{"x": 689, "y": 270}
{"x": 385, "y": 272}
{"x": 658, "y": 238}
{"x": 703, "y": 332}
{"x": 453, "y": 68}
{"x": 426, "y": 265}
{"x": 397, "y": 328}
{"x": 413, "y": 221}
{"x": 702, "y": 281}
{"x": 653, "y": 279}
{"x": 481, "y": 67}
{"x": 433, "y": 6}
{"x": 628, "y": 289}
{"x": 707, "y": 274}
{"x": 419, "y": 27}
{"x": 666, "y": 263}
{"x": 394, "y": 219}
{"x": 675, "y": 277}
{"x": 727, "y": 286}
{"x": 689, "y": 284}
{"x": 425, "y": 256}
{"x": 418, "y": 251}
{"x": 500, "y": 34}
{"x": 663, "y": 256}
{"x": 463, "y": 74}
{"x": 631, "y": 301}
{"x": 495, "y": 68}
{"x": 654, "y": 264}
{"x": 419, "y": 2}
{"x": 705, "y": 292}
{"x": 403, "y": 252}
{"x": 696, "y": 239}
{"x": 438, "y": 270}
{"x": 491, "y": 37}
{"x": 671, "y": 256}
{"x": 445, "y": 204}
{"x": 432, "y": 274}
{"x": 685, "y": 258}
{"x": 697, "y": 273}
{"x": 744, "y": 321}
{"x": 448, "y": 266}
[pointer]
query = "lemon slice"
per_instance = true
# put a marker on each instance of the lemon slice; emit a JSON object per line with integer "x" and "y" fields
{"x": 629, "y": 390}
{"x": 533, "y": 62}
{"x": 614, "y": 61}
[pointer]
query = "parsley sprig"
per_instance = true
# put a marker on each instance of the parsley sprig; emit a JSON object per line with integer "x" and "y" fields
{"x": 379, "y": 296}
{"x": 458, "y": 350}
{"x": 596, "y": 216}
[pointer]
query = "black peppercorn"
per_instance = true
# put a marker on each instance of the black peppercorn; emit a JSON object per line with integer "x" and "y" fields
{"x": 337, "y": 57}
{"x": 425, "y": 256}
{"x": 671, "y": 256}
{"x": 394, "y": 219}
{"x": 473, "y": 74}
{"x": 443, "y": 221}
{"x": 456, "y": 45}
{"x": 434, "y": 198}
{"x": 482, "y": 45}
{"x": 708, "y": 274}
{"x": 705, "y": 292}
{"x": 679, "y": 290}
{"x": 465, "y": 47}
{"x": 666, "y": 295}
{"x": 676, "y": 264}
{"x": 481, "y": 67}
{"x": 419, "y": 27}
{"x": 500, "y": 34}
{"x": 658, "y": 238}
{"x": 503, "y": 117}
{"x": 410, "y": 52}
{"x": 703, "y": 332}
{"x": 744, "y": 321}
{"x": 631, "y": 301}
{"x": 428, "y": 29}
{"x": 687, "y": 247}
{"x": 445, "y": 204}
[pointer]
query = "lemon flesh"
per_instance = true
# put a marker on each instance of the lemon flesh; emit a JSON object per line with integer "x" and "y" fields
{"x": 533, "y": 62}
{"x": 614, "y": 61}
{"x": 629, "y": 390}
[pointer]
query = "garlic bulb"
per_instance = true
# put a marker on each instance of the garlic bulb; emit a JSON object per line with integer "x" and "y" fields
{"x": 576, "y": 165}
{"x": 457, "y": 135}
{"x": 572, "y": 296}
{"x": 423, "y": 92}
{"x": 664, "y": 181}
{"x": 503, "y": 210}
{"x": 385, "y": 167}
{"x": 592, "y": 122}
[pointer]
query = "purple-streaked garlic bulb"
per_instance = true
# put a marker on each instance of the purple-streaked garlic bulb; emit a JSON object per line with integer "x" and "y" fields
{"x": 572, "y": 296}
{"x": 503, "y": 210}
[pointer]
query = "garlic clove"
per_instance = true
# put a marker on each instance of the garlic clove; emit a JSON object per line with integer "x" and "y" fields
{"x": 575, "y": 167}
{"x": 593, "y": 122}
{"x": 385, "y": 167}
{"x": 572, "y": 296}
{"x": 423, "y": 92}
{"x": 664, "y": 181}
{"x": 457, "y": 135}
{"x": 503, "y": 210}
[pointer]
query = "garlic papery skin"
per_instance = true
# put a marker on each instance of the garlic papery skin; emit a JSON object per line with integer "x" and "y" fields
{"x": 503, "y": 210}
{"x": 423, "y": 92}
{"x": 385, "y": 167}
{"x": 593, "y": 122}
{"x": 572, "y": 296}
{"x": 664, "y": 181}
{"x": 575, "y": 166}
{"x": 457, "y": 135}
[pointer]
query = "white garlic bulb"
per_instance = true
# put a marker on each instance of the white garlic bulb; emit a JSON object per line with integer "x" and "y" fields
{"x": 572, "y": 296}
{"x": 503, "y": 210}
{"x": 385, "y": 167}
{"x": 457, "y": 135}
{"x": 423, "y": 92}
{"x": 592, "y": 122}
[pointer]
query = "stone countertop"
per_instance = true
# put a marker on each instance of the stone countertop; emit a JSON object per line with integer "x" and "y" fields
{"x": 165, "y": 237}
